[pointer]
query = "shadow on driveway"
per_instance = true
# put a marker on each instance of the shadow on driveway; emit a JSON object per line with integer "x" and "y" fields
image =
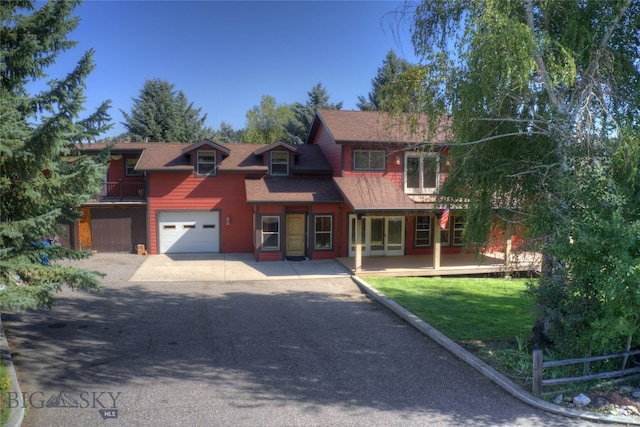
{"x": 313, "y": 352}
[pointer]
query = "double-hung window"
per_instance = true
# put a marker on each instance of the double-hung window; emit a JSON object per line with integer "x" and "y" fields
{"x": 271, "y": 233}
{"x": 458, "y": 229}
{"x": 421, "y": 173}
{"x": 368, "y": 160}
{"x": 206, "y": 163}
{"x": 279, "y": 163}
{"x": 452, "y": 234}
{"x": 323, "y": 231}
{"x": 423, "y": 231}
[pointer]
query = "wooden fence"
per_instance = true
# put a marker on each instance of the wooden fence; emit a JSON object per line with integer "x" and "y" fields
{"x": 539, "y": 365}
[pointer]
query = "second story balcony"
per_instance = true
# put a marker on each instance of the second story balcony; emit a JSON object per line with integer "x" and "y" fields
{"x": 120, "y": 191}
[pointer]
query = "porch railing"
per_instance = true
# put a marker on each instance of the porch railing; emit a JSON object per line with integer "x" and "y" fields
{"x": 120, "y": 190}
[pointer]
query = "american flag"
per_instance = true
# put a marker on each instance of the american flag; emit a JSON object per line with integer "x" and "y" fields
{"x": 444, "y": 219}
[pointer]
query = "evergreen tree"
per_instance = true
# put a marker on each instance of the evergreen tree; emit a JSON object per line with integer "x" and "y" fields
{"x": 392, "y": 67}
{"x": 266, "y": 123}
{"x": 38, "y": 187}
{"x": 226, "y": 133}
{"x": 161, "y": 114}
{"x": 303, "y": 114}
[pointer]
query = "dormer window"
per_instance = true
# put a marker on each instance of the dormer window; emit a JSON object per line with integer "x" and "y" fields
{"x": 206, "y": 163}
{"x": 421, "y": 171}
{"x": 279, "y": 165}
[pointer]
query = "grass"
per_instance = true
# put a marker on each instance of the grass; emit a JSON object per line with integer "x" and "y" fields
{"x": 491, "y": 318}
{"x": 464, "y": 308}
{"x": 5, "y": 386}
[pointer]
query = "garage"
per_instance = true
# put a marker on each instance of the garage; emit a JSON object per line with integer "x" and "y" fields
{"x": 188, "y": 232}
{"x": 113, "y": 229}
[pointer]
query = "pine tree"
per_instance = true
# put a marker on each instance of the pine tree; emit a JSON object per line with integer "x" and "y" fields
{"x": 298, "y": 128}
{"x": 226, "y": 133}
{"x": 39, "y": 188}
{"x": 161, "y": 114}
{"x": 392, "y": 67}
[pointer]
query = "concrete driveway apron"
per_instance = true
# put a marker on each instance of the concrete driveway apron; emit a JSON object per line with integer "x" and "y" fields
{"x": 284, "y": 352}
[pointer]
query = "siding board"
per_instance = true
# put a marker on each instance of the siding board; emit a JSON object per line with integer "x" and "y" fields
{"x": 225, "y": 193}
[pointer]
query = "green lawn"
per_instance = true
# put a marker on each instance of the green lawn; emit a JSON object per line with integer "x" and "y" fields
{"x": 5, "y": 411}
{"x": 465, "y": 309}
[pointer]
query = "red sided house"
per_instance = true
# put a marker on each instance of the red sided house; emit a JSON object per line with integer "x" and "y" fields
{"x": 356, "y": 179}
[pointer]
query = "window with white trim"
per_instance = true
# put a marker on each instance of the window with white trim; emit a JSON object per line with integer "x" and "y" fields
{"x": 206, "y": 163}
{"x": 423, "y": 231}
{"x": 279, "y": 165}
{"x": 323, "y": 232}
{"x": 270, "y": 233}
{"x": 368, "y": 160}
{"x": 421, "y": 172}
{"x": 458, "y": 230}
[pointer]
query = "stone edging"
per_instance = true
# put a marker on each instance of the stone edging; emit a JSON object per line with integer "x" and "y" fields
{"x": 481, "y": 366}
{"x": 17, "y": 414}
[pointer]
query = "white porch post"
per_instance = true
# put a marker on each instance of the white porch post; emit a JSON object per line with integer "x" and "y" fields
{"x": 358, "y": 237}
{"x": 436, "y": 243}
{"x": 507, "y": 250}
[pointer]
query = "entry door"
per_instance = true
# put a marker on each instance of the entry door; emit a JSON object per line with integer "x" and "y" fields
{"x": 84, "y": 229}
{"x": 381, "y": 235}
{"x": 295, "y": 234}
{"x": 376, "y": 235}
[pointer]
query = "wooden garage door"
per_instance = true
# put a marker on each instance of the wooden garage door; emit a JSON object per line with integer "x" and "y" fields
{"x": 118, "y": 229}
{"x": 189, "y": 232}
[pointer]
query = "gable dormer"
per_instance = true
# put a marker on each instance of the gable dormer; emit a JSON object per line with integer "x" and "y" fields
{"x": 205, "y": 156}
{"x": 279, "y": 157}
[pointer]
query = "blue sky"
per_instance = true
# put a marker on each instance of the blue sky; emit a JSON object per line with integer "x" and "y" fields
{"x": 226, "y": 55}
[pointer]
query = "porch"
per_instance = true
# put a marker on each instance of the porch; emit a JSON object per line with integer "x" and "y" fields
{"x": 120, "y": 191}
{"x": 450, "y": 264}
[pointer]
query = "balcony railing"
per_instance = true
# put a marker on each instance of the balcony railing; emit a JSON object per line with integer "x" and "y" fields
{"x": 120, "y": 191}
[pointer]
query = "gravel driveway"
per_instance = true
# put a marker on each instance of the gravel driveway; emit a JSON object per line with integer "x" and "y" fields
{"x": 312, "y": 352}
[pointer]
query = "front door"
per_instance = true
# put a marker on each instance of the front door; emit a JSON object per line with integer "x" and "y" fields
{"x": 295, "y": 234}
{"x": 84, "y": 229}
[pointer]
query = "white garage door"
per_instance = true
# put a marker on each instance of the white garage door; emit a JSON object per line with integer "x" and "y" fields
{"x": 189, "y": 232}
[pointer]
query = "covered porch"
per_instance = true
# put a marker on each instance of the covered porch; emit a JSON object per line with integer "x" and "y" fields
{"x": 450, "y": 264}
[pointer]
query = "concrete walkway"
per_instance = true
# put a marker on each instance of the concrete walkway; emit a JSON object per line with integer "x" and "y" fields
{"x": 230, "y": 268}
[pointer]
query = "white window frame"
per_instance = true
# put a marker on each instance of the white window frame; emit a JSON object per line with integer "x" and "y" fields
{"x": 322, "y": 232}
{"x": 267, "y": 234}
{"x": 372, "y": 158}
{"x": 211, "y": 164}
{"x": 458, "y": 222}
{"x": 275, "y": 163}
{"x": 421, "y": 189}
{"x": 421, "y": 232}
